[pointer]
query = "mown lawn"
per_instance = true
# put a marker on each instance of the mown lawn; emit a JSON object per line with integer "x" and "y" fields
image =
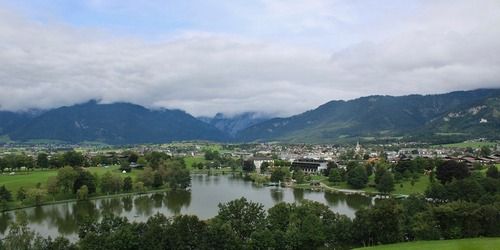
{"x": 462, "y": 244}
{"x": 190, "y": 160}
{"x": 31, "y": 178}
{"x": 25, "y": 179}
{"x": 404, "y": 187}
{"x": 419, "y": 186}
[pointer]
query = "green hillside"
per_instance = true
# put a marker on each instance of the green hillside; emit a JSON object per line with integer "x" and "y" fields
{"x": 414, "y": 117}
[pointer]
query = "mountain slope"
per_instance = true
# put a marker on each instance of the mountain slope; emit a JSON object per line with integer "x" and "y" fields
{"x": 10, "y": 121}
{"x": 481, "y": 120}
{"x": 118, "y": 123}
{"x": 372, "y": 116}
{"x": 234, "y": 124}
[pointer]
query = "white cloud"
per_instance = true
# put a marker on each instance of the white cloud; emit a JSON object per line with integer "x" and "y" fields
{"x": 442, "y": 47}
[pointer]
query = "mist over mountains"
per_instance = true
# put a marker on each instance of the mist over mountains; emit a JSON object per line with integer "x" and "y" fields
{"x": 461, "y": 114}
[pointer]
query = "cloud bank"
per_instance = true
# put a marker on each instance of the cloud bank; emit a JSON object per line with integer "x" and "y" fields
{"x": 441, "y": 46}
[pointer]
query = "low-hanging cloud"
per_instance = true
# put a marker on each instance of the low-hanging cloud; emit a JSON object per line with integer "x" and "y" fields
{"x": 442, "y": 48}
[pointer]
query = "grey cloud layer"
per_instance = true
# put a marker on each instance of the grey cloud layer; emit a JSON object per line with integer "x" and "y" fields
{"x": 48, "y": 65}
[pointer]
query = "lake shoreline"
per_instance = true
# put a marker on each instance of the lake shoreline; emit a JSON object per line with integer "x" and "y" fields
{"x": 89, "y": 199}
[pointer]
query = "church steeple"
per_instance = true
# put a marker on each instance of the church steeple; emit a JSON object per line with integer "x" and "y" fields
{"x": 358, "y": 147}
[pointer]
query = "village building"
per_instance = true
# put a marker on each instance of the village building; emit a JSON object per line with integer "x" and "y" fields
{"x": 310, "y": 166}
{"x": 258, "y": 160}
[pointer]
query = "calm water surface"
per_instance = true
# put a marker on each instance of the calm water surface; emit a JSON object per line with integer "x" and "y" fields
{"x": 206, "y": 193}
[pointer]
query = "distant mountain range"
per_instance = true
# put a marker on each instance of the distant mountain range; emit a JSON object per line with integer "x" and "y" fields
{"x": 452, "y": 116}
{"x": 118, "y": 123}
{"x": 461, "y": 114}
{"x": 234, "y": 124}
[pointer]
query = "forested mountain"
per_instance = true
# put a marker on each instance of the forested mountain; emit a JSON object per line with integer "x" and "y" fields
{"x": 10, "y": 121}
{"x": 459, "y": 115}
{"x": 388, "y": 116}
{"x": 233, "y": 124}
{"x": 118, "y": 123}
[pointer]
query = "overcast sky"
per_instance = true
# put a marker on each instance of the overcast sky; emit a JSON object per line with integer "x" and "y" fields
{"x": 279, "y": 57}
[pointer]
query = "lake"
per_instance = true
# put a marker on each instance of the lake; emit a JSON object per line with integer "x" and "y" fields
{"x": 202, "y": 200}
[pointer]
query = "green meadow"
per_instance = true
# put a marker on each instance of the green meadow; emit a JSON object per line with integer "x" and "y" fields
{"x": 462, "y": 244}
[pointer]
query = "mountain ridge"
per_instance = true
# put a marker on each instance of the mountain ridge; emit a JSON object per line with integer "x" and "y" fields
{"x": 116, "y": 123}
{"x": 464, "y": 114}
{"x": 370, "y": 116}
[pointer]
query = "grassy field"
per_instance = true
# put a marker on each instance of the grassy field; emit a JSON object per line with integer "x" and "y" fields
{"x": 467, "y": 144}
{"x": 30, "y": 179}
{"x": 190, "y": 160}
{"x": 419, "y": 186}
{"x": 25, "y": 179}
{"x": 463, "y": 244}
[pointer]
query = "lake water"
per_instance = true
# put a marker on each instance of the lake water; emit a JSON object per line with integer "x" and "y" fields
{"x": 202, "y": 200}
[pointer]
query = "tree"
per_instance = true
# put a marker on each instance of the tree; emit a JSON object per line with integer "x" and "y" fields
{"x": 19, "y": 236}
{"x": 82, "y": 193}
{"x": 36, "y": 196}
{"x": 381, "y": 223}
{"x": 127, "y": 184}
{"x": 157, "y": 180}
{"x": 74, "y": 159}
{"x": 146, "y": 177}
{"x": 485, "y": 151}
{"x": 85, "y": 178}
{"x": 52, "y": 185}
{"x": 386, "y": 183}
{"x": 451, "y": 169}
{"x": 111, "y": 183}
{"x": 369, "y": 169}
{"x": 125, "y": 166}
{"x": 21, "y": 194}
{"x": 436, "y": 191}
{"x": 211, "y": 155}
{"x": 5, "y": 195}
{"x": 178, "y": 176}
{"x": 139, "y": 187}
{"x": 66, "y": 178}
{"x": 298, "y": 175}
{"x": 42, "y": 160}
{"x": 335, "y": 176}
{"x": 357, "y": 177}
{"x": 279, "y": 174}
{"x": 186, "y": 232}
{"x": 133, "y": 157}
{"x": 243, "y": 216}
{"x": 492, "y": 172}
{"x": 380, "y": 170}
{"x": 263, "y": 167}
{"x": 56, "y": 161}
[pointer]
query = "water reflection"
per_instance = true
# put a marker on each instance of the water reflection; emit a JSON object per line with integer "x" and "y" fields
{"x": 298, "y": 194}
{"x": 143, "y": 205}
{"x": 206, "y": 193}
{"x": 176, "y": 200}
{"x": 277, "y": 194}
{"x": 5, "y": 220}
{"x": 111, "y": 206}
{"x": 354, "y": 201}
{"x": 127, "y": 203}
{"x": 158, "y": 199}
